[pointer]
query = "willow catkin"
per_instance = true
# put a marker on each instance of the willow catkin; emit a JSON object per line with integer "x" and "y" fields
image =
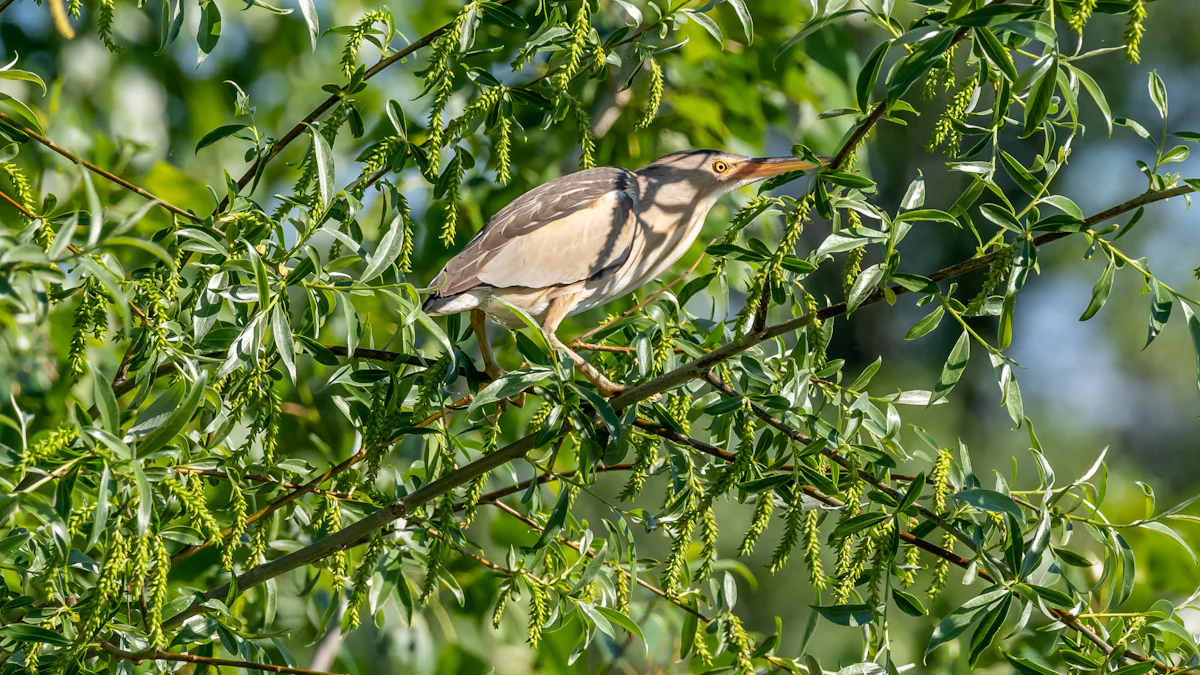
{"x": 1135, "y": 30}
{"x": 708, "y": 541}
{"x": 946, "y": 130}
{"x": 739, "y": 644}
{"x": 355, "y": 37}
{"x": 646, "y": 449}
{"x": 158, "y": 593}
{"x": 362, "y": 580}
{"x": 539, "y": 610}
{"x": 580, "y": 29}
{"x": 1079, "y": 18}
{"x": 758, "y": 524}
{"x": 655, "y": 97}
{"x": 231, "y": 541}
{"x": 57, "y": 441}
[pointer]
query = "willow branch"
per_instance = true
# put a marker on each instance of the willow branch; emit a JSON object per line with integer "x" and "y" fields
{"x": 310, "y": 486}
{"x": 10, "y": 121}
{"x": 17, "y": 205}
{"x": 159, "y": 655}
{"x": 521, "y": 447}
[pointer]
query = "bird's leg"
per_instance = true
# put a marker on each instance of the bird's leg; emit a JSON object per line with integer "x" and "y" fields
{"x": 559, "y": 307}
{"x": 479, "y": 325}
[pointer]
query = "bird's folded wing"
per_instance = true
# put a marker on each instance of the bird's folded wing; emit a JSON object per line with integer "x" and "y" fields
{"x": 578, "y": 227}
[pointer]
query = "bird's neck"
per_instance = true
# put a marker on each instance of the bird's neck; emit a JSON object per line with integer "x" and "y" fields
{"x": 671, "y": 220}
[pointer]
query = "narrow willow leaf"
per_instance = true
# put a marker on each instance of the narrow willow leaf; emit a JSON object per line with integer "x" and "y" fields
{"x": 209, "y": 31}
{"x": 106, "y": 403}
{"x": 926, "y": 325}
{"x": 1100, "y": 291}
{"x": 1160, "y": 310}
{"x": 957, "y": 622}
{"x": 309, "y": 11}
{"x": 743, "y": 14}
{"x": 145, "y": 498}
{"x": 221, "y": 132}
{"x": 1039, "y": 99}
{"x": 996, "y": 53}
{"x": 990, "y": 500}
{"x": 281, "y": 330}
{"x": 1194, "y": 330}
{"x": 988, "y": 628}
{"x": 323, "y": 155}
{"x": 869, "y": 74}
{"x": 846, "y": 615}
{"x": 1096, "y": 93}
{"x": 175, "y": 422}
{"x": 908, "y": 603}
{"x": 953, "y": 369}
{"x": 385, "y": 254}
{"x": 868, "y": 280}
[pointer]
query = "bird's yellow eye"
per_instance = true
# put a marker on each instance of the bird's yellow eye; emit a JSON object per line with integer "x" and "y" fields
{"x": 720, "y": 167}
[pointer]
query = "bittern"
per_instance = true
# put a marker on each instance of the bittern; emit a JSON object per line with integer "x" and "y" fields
{"x": 586, "y": 238}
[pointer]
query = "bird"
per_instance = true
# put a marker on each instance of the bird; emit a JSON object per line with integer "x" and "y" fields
{"x": 586, "y": 238}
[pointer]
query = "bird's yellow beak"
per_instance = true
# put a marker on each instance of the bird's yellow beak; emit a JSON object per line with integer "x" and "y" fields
{"x": 765, "y": 167}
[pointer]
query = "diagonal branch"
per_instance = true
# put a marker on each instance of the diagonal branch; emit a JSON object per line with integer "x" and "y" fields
{"x": 160, "y": 655}
{"x": 8, "y": 120}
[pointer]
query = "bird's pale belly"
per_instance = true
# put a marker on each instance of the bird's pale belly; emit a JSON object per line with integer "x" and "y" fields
{"x": 653, "y": 253}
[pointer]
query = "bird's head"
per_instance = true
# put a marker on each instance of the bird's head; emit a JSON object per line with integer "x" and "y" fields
{"x": 712, "y": 173}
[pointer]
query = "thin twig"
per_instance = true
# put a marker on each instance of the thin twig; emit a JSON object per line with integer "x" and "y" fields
{"x": 10, "y": 121}
{"x": 579, "y": 341}
{"x": 159, "y": 655}
{"x": 15, "y": 204}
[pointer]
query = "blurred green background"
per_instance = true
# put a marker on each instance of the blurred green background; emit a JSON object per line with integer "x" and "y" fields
{"x": 1086, "y": 386}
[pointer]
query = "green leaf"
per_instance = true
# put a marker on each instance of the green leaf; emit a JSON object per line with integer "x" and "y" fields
{"x": 990, "y": 500}
{"x": 909, "y": 604}
{"x": 1158, "y": 93}
{"x": 1027, "y": 667}
{"x": 1194, "y": 330}
{"x": 145, "y": 498}
{"x": 23, "y": 75}
{"x": 743, "y": 14}
{"x": 985, "y": 634}
{"x": 1136, "y": 669}
{"x": 1038, "y": 103}
{"x": 1020, "y": 175}
{"x": 1160, "y": 310}
{"x": 309, "y": 11}
{"x": 1002, "y": 217}
{"x": 23, "y": 632}
{"x": 917, "y": 63}
{"x": 209, "y": 32}
{"x": 281, "y": 330}
{"x": 555, "y": 523}
{"x": 106, "y": 404}
{"x": 846, "y": 615}
{"x": 1100, "y": 291}
{"x": 222, "y": 132}
{"x": 856, "y": 524}
{"x": 1096, "y": 93}
{"x": 323, "y": 155}
{"x": 178, "y": 418}
{"x": 385, "y": 254}
{"x": 864, "y": 286}
{"x": 847, "y": 179}
{"x": 869, "y": 74}
{"x": 927, "y": 214}
{"x": 957, "y": 622}
{"x": 953, "y": 368}
{"x": 1170, "y": 532}
{"x": 100, "y": 520}
{"x": 996, "y": 53}
{"x": 508, "y": 386}
{"x": 623, "y": 621}
{"x": 913, "y": 493}
{"x": 1070, "y": 557}
{"x": 23, "y": 111}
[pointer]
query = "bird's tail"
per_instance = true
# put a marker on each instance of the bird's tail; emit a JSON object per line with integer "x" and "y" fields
{"x": 436, "y": 305}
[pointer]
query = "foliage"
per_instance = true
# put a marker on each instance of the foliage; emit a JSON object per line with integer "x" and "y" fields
{"x": 154, "y": 499}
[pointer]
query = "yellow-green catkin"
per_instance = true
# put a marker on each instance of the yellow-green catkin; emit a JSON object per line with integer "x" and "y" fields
{"x": 855, "y": 564}
{"x": 32, "y": 654}
{"x": 106, "y": 592}
{"x": 1135, "y": 30}
{"x": 654, "y": 99}
{"x": 258, "y": 542}
{"x": 491, "y": 440}
{"x": 739, "y": 643}
{"x": 91, "y": 320}
{"x": 195, "y": 505}
{"x": 1079, "y": 18}
{"x": 104, "y": 23}
{"x": 580, "y": 29}
{"x": 439, "y": 78}
{"x": 355, "y": 37}
{"x": 793, "y": 525}
{"x": 812, "y": 549}
{"x": 771, "y": 271}
{"x": 24, "y": 194}
{"x": 672, "y": 574}
{"x": 758, "y": 524}
{"x": 679, "y": 405}
{"x": 539, "y": 610}
{"x": 587, "y": 141}
{"x": 375, "y": 161}
{"x": 945, "y": 131}
{"x": 480, "y": 106}
{"x": 157, "y": 596}
{"x": 646, "y": 449}
{"x": 231, "y": 541}
{"x": 430, "y": 391}
{"x": 997, "y": 272}
{"x": 852, "y": 269}
{"x": 501, "y": 605}
{"x": 623, "y": 593}
{"x": 941, "y": 568}
{"x": 434, "y": 560}
{"x": 57, "y": 441}
{"x": 328, "y": 520}
{"x": 453, "y": 196}
{"x": 940, "y": 477}
{"x": 912, "y": 560}
{"x": 503, "y": 150}
{"x": 708, "y": 541}
{"x": 362, "y": 581}
{"x": 941, "y": 76}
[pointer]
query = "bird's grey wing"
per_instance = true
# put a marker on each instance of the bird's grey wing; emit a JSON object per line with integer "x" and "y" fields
{"x": 578, "y": 227}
